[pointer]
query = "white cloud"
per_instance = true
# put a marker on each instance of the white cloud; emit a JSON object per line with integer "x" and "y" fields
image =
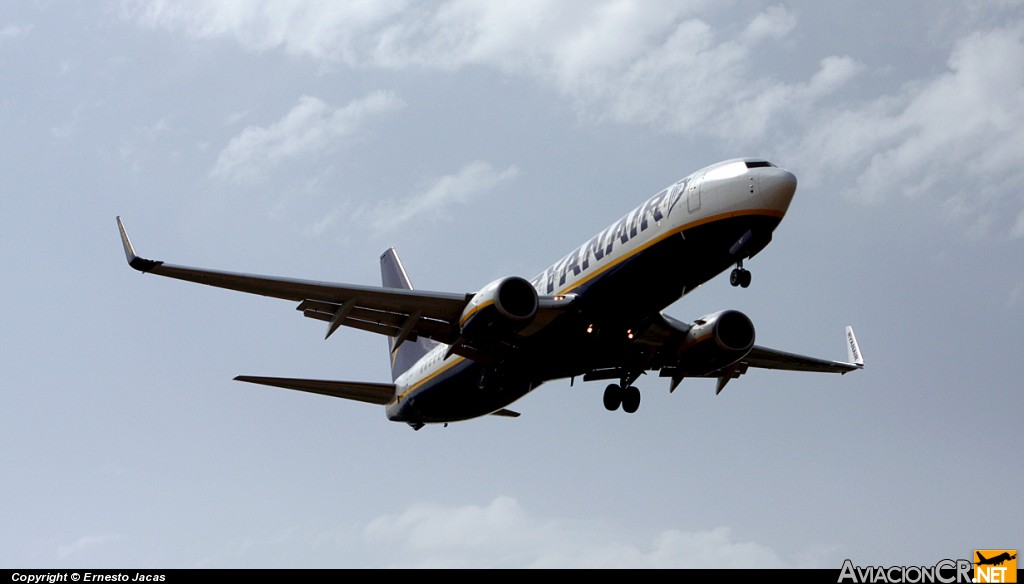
{"x": 14, "y": 31}
{"x": 954, "y": 138}
{"x": 87, "y": 543}
{"x": 661, "y": 65}
{"x": 311, "y": 126}
{"x": 503, "y": 534}
{"x": 323, "y": 30}
{"x": 472, "y": 180}
{"x": 628, "y": 60}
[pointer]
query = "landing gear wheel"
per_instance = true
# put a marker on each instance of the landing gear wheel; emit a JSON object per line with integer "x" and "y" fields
{"x": 631, "y": 400}
{"x": 612, "y": 397}
{"x": 739, "y": 277}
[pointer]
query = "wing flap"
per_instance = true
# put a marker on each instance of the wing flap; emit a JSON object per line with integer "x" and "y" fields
{"x": 372, "y": 393}
{"x": 378, "y": 321}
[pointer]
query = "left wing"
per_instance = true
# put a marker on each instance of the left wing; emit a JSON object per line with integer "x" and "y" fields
{"x": 406, "y": 314}
{"x": 765, "y": 358}
{"x": 670, "y": 343}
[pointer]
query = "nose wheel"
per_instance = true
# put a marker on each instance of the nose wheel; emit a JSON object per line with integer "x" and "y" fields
{"x": 739, "y": 276}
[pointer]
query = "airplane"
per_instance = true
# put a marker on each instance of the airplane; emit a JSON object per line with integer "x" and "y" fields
{"x": 596, "y": 313}
{"x": 995, "y": 560}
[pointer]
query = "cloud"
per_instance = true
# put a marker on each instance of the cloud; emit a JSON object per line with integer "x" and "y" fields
{"x": 14, "y": 31}
{"x": 310, "y": 127}
{"x": 323, "y": 30}
{"x": 471, "y": 181}
{"x": 954, "y": 138}
{"x": 952, "y": 135}
{"x": 503, "y": 534}
{"x": 85, "y": 544}
{"x": 631, "y": 61}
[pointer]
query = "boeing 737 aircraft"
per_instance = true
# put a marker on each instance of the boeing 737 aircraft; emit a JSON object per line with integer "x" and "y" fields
{"x": 595, "y": 314}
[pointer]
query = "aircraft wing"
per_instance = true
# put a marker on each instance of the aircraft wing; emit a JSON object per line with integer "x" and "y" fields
{"x": 405, "y": 314}
{"x": 764, "y": 358}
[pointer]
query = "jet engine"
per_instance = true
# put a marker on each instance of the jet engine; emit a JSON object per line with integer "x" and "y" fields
{"x": 499, "y": 309}
{"x": 715, "y": 341}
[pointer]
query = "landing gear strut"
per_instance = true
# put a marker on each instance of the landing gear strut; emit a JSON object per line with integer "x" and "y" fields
{"x": 739, "y": 276}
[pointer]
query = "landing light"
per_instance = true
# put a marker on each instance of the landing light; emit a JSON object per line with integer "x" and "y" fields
{"x": 629, "y": 334}
{"x": 590, "y": 328}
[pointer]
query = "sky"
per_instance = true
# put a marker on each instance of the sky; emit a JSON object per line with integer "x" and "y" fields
{"x": 485, "y": 139}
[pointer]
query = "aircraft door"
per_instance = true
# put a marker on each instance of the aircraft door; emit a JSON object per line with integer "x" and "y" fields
{"x": 693, "y": 195}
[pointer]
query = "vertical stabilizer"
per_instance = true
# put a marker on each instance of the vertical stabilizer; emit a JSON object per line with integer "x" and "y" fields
{"x": 409, "y": 351}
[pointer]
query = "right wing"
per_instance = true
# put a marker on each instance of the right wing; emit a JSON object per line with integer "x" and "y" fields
{"x": 406, "y": 314}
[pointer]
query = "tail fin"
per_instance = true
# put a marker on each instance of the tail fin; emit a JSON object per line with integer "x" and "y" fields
{"x": 392, "y": 275}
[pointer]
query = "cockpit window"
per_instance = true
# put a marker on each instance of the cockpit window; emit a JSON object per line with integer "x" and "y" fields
{"x": 760, "y": 164}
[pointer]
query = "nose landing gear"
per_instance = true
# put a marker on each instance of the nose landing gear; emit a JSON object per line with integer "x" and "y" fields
{"x": 739, "y": 276}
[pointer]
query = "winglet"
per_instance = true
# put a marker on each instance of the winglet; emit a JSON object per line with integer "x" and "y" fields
{"x": 853, "y": 353}
{"x": 140, "y": 264}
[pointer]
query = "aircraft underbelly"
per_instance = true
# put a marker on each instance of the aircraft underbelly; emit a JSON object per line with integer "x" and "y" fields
{"x": 654, "y": 278}
{"x": 470, "y": 392}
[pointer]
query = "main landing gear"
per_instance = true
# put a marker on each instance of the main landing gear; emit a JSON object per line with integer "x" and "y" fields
{"x": 628, "y": 397}
{"x": 739, "y": 276}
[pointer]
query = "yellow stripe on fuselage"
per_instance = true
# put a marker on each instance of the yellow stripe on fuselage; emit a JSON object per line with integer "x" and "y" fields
{"x": 666, "y": 235}
{"x": 458, "y": 359}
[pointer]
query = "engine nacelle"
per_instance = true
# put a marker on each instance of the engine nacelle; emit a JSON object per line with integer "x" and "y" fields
{"x": 715, "y": 341}
{"x": 499, "y": 309}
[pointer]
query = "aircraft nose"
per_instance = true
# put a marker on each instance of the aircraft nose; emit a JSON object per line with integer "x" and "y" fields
{"x": 777, "y": 187}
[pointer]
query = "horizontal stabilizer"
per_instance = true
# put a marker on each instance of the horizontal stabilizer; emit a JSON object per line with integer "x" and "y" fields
{"x": 371, "y": 393}
{"x": 506, "y": 414}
